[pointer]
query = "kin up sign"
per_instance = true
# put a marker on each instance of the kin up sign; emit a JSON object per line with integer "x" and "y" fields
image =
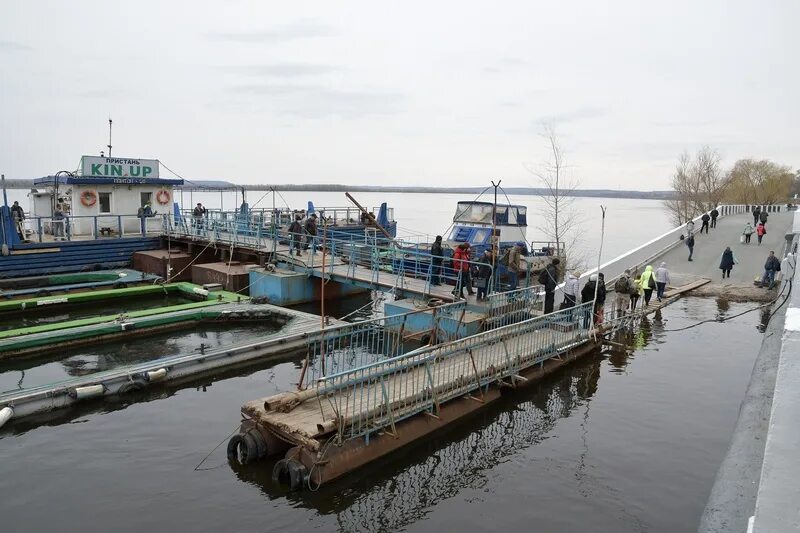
{"x": 120, "y": 169}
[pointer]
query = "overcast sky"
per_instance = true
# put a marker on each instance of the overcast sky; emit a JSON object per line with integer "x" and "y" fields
{"x": 398, "y": 93}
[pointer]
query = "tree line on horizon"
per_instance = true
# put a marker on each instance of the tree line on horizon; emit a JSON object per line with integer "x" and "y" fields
{"x": 700, "y": 183}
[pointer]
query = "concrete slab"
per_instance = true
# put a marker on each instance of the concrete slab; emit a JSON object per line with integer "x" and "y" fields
{"x": 709, "y": 247}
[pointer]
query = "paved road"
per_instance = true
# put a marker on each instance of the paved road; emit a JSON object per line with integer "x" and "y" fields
{"x": 708, "y": 249}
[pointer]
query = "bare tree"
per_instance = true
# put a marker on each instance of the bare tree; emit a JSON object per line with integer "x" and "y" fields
{"x": 758, "y": 182}
{"x": 561, "y": 221}
{"x": 698, "y": 185}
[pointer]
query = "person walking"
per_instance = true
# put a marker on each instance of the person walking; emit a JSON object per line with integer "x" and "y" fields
{"x": 763, "y": 216}
{"x": 600, "y": 301}
{"x": 571, "y": 290}
{"x": 462, "y": 267}
{"x": 705, "y": 218}
{"x": 436, "y": 261}
{"x": 549, "y": 278}
{"x": 311, "y": 233}
{"x": 198, "y": 215}
{"x": 771, "y": 267}
{"x": 636, "y": 290}
{"x": 622, "y": 294}
{"x": 662, "y": 280}
{"x": 588, "y": 294}
{"x": 714, "y": 215}
{"x": 484, "y": 273}
{"x": 512, "y": 263}
{"x": 760, "y": 231}
{"x": 690, "y": 227}
{"x": 726, "y": 262}
{"x": 18, "y": 216}
{"x": 690, "y": 245}
{"x": 648, "y": 283}
{"x": 756, "y": 214}
{"x": 748, "y": 232}
{"x": 296, "y": 237}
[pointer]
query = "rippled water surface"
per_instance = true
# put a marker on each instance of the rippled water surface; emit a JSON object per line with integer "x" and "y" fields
{"x": 620, "y": 441}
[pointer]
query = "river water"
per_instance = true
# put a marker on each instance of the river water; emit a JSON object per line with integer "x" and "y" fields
{"x": 623, "y": 441}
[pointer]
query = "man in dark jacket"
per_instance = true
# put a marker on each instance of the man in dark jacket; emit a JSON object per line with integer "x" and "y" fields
{"x": 756, "y": 213}
{"x": 587, "y": 295}
{"x": 762, "y": 217}
{"x": 296, "y": 236}
{"x": 549, "y": 278}
{"x": 484, "y": 273}
{"x": 714, "y": 215}
{"x": 705, "y": 218}
{"x": 18, "y": 216}
{"x": 436, "y": 261}
{"x": 311, "y": 232}
{"x": 771, "y": 267}
{"x": 690, "y": 245}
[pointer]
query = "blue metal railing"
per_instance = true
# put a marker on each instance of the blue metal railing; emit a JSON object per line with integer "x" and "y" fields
{"x": 377, "y": 395}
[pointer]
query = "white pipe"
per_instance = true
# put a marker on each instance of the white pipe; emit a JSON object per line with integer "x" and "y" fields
{"x": 5, "y": 415}
{"x": 156, "y": 375}
{"x": 90, "y": 391}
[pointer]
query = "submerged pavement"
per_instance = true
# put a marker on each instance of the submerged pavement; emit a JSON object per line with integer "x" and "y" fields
{"x": 708, "y": 250}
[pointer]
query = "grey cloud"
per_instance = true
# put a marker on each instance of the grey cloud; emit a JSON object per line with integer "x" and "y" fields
{"x": 504, "y": 64}
{"x": 13, "y": 46}
{"x": 315, "y": 101}
{"x": 284, "y": 70}
{"x": 102, "y": 93}
{"x": 583, "y": 113}
{"x": 302, "y": 29}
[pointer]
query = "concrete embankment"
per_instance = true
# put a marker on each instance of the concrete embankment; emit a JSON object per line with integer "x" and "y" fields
{"x": 756, "y": 487}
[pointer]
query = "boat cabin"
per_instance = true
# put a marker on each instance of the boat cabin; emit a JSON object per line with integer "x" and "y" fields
{"x": 472, "y": 223}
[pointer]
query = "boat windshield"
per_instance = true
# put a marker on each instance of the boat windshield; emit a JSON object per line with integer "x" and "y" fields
{"x": 474, "y": 213}
{"x": 481, "y": 213}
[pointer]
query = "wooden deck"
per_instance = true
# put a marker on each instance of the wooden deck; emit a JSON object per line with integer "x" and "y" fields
{"x": 454, "y": 375}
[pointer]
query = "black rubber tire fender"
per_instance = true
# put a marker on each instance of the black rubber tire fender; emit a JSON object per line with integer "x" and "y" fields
{"x": 131, "y": 386}
{"x": 280, "y": 472}
{"x": 297, "y": 474}
{"x": 252, "y": 449}
{"x": 261, "y": 444}
{"x": 236, "y": 446}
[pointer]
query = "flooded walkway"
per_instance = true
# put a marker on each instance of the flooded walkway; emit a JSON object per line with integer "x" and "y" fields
{"x": 709, "y": 247}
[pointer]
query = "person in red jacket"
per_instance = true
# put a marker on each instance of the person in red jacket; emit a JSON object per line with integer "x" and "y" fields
{"x": 760, "y": 231}
{"x": 462, "y": 268}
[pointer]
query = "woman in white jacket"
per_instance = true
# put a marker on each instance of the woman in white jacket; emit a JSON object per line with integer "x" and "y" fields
{"x": 662, "y": 279}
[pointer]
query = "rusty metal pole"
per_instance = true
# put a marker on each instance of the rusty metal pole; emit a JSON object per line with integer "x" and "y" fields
{"x": 371, "y": 217}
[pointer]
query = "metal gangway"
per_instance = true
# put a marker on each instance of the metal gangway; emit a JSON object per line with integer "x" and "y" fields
{"x": 369, "y": 380}
{"x": 401, "y": 266}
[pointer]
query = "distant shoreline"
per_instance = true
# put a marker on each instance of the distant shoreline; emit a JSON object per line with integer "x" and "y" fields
{"x": 525, "y": 191}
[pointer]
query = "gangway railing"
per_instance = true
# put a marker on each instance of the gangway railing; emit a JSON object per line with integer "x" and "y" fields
{"x": 356, "y": 345}
{"x": 375, "y": 396}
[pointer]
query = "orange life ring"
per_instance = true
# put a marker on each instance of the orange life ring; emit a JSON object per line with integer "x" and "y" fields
{"x": 88, "y": 198}
{"x": 162, "y": 197}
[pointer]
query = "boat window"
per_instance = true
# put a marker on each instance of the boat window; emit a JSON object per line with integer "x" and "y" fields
{"x": 104, "y": 199}
{"x": 512, "y": 216}
{"x": 145, "y": 198}
{"x": 480, "y": 236}
{"x": 473, "y": 213}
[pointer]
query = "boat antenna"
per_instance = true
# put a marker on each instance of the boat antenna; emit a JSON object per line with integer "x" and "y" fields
{"x": 109, "y": 136}
{"x": 495, "y": 237}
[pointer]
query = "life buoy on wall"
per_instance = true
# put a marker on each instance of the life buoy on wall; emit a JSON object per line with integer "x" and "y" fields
{"x": 88, "y": 198}
{"x": 162, "y": 197}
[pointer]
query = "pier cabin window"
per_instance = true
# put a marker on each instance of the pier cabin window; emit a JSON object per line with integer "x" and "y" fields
{"x": 145, "y": 198}
{"x": 104, "y": 201}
